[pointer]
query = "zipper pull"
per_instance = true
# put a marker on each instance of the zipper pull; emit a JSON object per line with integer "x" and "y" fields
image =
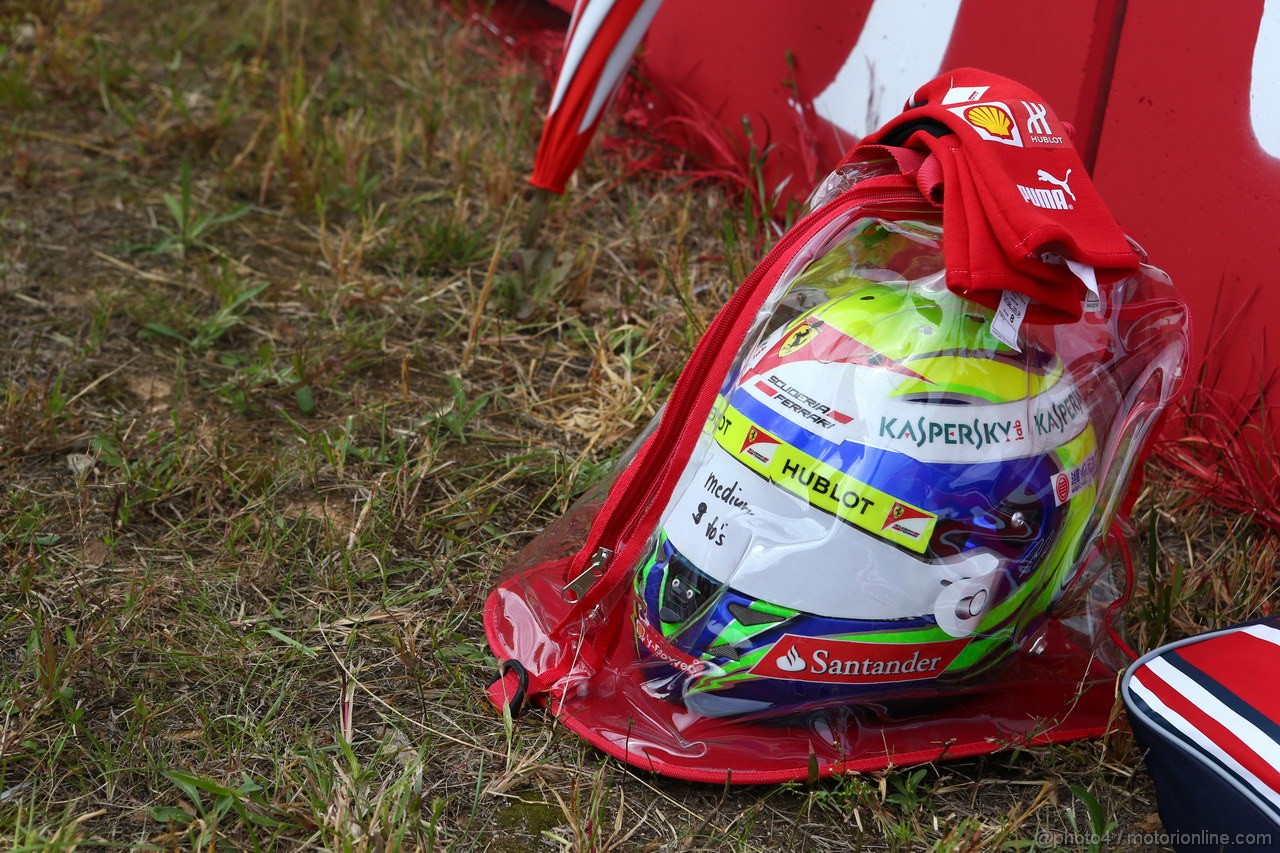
{"x": 576, "y": 588}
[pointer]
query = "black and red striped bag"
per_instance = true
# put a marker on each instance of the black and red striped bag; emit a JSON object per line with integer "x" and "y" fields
{"x": 1206, "y": 712}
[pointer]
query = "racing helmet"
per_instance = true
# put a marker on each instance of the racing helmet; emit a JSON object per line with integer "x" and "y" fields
{"x": 885, "y": 503}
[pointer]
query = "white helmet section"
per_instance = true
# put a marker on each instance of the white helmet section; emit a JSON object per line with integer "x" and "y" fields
{"x": 841, "y": 402}
{"x": 769, "y": 544}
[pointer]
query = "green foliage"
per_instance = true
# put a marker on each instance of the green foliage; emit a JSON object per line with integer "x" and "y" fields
{"x": 210, "y": 803}
{"x": 452, "y": 420}
{"x": 190, "y": 229}
{"x": 1097, "y": 827}
{"x": 235, "y": 298}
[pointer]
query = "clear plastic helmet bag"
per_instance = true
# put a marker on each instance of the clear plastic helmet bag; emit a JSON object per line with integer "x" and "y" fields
{"x": 892, "y": 530}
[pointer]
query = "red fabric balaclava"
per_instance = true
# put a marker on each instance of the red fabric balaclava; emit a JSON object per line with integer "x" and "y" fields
{"x": 1017, "y": 202}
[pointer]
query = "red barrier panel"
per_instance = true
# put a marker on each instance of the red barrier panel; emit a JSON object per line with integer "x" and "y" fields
{"x": 1181, "y": 165}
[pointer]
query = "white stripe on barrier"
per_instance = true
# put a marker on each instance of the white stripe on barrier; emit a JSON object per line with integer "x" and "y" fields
{"x": 619, "y": 60}
{"x": 587, "y": 18}
{"x": 883, "y": 69}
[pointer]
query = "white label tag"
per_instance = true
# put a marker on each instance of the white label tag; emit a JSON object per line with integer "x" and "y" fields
{"x": 1009, "y": 316}
{"x": 1085, "y": 273}
{"x": 961, "y": 94}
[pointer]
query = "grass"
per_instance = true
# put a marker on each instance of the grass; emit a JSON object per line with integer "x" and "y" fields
{"x": 280, "y": 396}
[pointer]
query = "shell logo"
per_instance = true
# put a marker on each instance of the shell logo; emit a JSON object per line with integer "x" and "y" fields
{"x": 992, "y": 119}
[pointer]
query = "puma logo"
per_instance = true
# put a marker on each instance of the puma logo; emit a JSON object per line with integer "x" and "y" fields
{"x": 1050, "y": 179}
{"x": 1049, "y": 199}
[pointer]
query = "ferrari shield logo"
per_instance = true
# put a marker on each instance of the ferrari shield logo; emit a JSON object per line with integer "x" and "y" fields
{"x": 798, "y": 338}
